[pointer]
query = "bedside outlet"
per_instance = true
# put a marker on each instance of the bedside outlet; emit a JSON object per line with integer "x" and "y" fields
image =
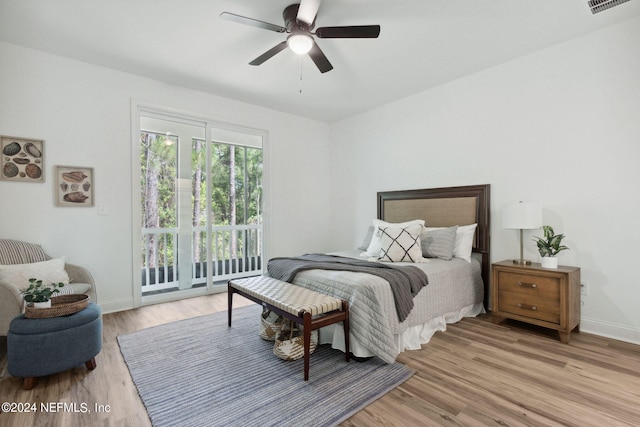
{"x": 584, "y": 288}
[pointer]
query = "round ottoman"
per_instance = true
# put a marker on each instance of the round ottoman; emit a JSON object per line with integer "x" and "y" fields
{"x": 39, "y": 347}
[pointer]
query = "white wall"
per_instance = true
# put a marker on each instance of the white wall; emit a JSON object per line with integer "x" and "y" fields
{"x": 83, "y": 113}
{"x": 560, "y": 127}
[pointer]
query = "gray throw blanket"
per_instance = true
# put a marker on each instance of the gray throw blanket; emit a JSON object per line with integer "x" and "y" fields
{"x": 405, "y": 281}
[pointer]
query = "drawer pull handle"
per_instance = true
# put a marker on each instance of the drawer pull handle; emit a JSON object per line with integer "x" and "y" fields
{"x": 527, "y": 285}
{"x": 528, "y": 307}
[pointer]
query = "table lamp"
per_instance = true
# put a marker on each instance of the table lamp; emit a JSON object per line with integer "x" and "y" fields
{"x": 522, "y": 216}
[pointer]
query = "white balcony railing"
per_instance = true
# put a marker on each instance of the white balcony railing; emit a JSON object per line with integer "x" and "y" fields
{"x": 236, "y": 251}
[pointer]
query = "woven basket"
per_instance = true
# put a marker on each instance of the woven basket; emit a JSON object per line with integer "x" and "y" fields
{"x": 270, "y": 324}
{"x": 62, "y": 305}
{"x": 289, "y": 343}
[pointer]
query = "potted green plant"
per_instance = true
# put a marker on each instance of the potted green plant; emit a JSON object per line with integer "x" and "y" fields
{"x": 39, "y": 295}
{"x": 550, "y": 246}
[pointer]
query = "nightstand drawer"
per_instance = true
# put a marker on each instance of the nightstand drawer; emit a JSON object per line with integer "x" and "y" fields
{"x": 530, "y": 284}
{"x": 530, "y": 295}
{"x": 531, "y": 306}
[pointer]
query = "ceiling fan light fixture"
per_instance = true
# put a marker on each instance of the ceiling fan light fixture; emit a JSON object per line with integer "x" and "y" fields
{"x": 299, "y": 22}
{"x": 300, "y": 43}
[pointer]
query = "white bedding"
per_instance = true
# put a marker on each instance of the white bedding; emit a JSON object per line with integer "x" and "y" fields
{"x": 455, "y": 290}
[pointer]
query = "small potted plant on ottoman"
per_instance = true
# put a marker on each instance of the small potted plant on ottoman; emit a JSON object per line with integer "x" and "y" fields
{"x": 39, "y": 295}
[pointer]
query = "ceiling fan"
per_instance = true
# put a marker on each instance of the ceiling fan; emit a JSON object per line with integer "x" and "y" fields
{"x": 299, "y": 21}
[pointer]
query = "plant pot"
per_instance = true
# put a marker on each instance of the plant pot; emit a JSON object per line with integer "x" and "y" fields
{"x": 44, "y": 304}
{"x": 549, "y": 262}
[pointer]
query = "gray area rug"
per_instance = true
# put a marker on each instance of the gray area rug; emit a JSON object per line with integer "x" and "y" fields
{"x": 199, "y": 372}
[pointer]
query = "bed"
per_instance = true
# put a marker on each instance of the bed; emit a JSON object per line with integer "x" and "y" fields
{"x": 456, "y": 287}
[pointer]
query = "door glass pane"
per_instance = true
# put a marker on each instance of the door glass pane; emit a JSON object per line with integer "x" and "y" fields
{"x": 158, "y": 161}
{"x": 199, "y": 210}
{"x": 236, "y": 193}
{"x": 166, "y": 203}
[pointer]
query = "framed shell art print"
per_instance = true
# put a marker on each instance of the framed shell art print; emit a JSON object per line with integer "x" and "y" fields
{"x": 22, "y": 159}
{"x": 74, "y": 186}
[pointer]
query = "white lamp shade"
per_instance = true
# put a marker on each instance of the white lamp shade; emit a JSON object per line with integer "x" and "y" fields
{"x": 522, "y": 215}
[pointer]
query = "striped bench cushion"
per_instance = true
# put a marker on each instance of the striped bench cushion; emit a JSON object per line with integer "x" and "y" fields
{"x": 287, "y": 297}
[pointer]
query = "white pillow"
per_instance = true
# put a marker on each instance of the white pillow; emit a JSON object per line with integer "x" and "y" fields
{"x": 51, "y": 271}
{"x": 374, "y": 246}
{"x": 463, "y": 244}
{"x": 400, "y": 244}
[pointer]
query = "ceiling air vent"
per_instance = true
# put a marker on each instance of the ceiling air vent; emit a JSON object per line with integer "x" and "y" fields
{"x": 598, "y": 6}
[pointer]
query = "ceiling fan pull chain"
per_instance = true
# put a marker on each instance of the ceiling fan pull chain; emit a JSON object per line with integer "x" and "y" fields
{"x": 300, "y": 59}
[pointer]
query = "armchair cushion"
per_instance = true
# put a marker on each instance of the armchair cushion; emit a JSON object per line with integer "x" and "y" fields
{"x": 51, "y": 271}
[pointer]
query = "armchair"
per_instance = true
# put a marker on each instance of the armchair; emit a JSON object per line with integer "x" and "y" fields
{"x": 13, "y": 252}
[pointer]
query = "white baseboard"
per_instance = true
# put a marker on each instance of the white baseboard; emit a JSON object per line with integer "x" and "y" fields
{"x": 116, "y": 305}
{"x": 129, "y": 304}
{"x": 610, "y": 330}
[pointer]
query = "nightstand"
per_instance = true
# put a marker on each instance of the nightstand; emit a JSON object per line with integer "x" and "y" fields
{"x": 540, "y": 296}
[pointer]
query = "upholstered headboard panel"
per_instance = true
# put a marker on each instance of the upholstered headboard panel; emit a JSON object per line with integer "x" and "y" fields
{"x": 436, "y": 212}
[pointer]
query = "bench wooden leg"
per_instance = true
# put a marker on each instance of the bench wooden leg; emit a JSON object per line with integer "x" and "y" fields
{"x": 307, "y": 343}
{"x": 229, "y": 301}
{"x": 345, "y": 325}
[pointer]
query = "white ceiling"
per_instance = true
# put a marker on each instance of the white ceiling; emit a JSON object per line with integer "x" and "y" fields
{"x": 422, "y": 44}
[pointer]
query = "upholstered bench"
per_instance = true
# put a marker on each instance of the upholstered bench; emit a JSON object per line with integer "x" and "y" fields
{"x": 306, "y": 307}
{"x": 39, "y": 347}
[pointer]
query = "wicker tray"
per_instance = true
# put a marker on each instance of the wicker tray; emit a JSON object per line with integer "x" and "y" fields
{"x": 63, "y": 305}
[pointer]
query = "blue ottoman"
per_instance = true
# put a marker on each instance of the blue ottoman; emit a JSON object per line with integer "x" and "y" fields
{"x": 39, "y": 347}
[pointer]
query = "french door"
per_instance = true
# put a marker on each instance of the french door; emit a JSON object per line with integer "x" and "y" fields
{"x": 200, "y": 205}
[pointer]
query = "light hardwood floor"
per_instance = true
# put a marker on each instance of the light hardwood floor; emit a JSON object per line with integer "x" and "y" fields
{"x": 475, "y": 373}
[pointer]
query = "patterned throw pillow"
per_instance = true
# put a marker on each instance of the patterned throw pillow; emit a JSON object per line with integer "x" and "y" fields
{"x": 400, "y": 244}
{"x": 373, "y": 250}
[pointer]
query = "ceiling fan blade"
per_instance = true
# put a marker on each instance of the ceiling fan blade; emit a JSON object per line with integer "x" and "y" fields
{"x": 352, "y": 32}
{"x": 269, "y": 54}
{"x": 253, "y": 22}
{"x": 320, "y": 59}
{"x": 308, "y": 10}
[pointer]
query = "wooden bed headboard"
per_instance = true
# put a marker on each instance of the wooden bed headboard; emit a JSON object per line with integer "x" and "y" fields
{"x": 445, "y": 207}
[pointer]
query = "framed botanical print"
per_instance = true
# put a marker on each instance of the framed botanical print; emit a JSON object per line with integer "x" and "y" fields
{"x": 22, "y": 159}
{"x": 74, "y": 186}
